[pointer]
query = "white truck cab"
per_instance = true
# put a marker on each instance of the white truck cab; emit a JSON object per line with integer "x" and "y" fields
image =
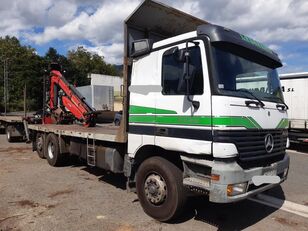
{"x": 213, "y": 97}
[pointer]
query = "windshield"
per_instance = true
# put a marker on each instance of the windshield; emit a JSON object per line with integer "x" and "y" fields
{"x": 236, "y": 74}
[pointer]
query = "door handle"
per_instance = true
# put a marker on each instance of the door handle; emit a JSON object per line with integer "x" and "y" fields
{"x": 161, "y": 131}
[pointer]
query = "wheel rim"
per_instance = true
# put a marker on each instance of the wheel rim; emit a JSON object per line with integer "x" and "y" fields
{"x": 50, "y": 150}
{"x": 8, "y": 135}
{"x": 155, "y": 189}
{"x": 39, "y": 143}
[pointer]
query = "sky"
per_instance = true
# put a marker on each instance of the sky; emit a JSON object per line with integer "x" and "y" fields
{"x": 98, "y": 24}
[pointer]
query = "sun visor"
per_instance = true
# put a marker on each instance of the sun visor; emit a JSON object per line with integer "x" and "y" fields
{"x": 239, "y": 43}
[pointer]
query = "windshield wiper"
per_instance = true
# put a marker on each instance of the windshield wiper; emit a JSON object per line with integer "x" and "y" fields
{"x": 281, "y": 103}
{"x": 253, "y": 95}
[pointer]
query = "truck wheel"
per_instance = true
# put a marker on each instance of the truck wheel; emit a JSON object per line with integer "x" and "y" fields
{"x": 53, "y": 155}
{"x": 40, "y": 145}
{"x": 117, "y": 122}
{"x": 160, "y": 188}
{"x": 9, "y": 137}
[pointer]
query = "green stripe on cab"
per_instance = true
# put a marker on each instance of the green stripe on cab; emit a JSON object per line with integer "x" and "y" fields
{"x": 284, "y": 123}
{"x": 228, "y": 121}
{"x": 144, "y": 110}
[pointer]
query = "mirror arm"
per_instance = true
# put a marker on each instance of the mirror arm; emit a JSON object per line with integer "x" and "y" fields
{"x": 195, "y": 104}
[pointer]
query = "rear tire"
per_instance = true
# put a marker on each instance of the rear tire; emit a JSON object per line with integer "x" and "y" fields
{"x": 160, "y": 188}
{"x": 53, "y": 155}
{"x": 8, "y": 132}
{"x": 40, "y": 142}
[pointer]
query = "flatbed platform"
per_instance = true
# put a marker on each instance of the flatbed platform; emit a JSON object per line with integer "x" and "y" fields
{"x": 12, "y": 119}
{"x": 103, "y": 132}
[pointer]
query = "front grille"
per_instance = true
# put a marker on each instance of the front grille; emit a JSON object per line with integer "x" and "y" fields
{"x": 251, "y": 145}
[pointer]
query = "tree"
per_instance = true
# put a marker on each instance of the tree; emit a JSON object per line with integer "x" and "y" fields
{"x": 24, "y": 68}
{"x": 85, "y": 62}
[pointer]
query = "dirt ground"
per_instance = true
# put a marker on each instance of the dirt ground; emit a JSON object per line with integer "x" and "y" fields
{"x": 36, "y": 196}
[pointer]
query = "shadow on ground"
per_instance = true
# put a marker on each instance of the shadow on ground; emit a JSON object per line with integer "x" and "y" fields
{"x": 299, "y": 147}
{"x": 233, "y": 216}
{"x": 117, "y": 180}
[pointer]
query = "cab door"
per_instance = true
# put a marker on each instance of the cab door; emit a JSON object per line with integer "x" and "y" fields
{"x": 183, "y": 107}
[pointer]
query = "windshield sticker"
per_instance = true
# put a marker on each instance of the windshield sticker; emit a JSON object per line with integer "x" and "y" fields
{"x": 221, "y": 86}
{"x": 255, "y": 43}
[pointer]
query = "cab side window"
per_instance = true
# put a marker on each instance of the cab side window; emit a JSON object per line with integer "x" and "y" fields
{"x": 173, "y": 81}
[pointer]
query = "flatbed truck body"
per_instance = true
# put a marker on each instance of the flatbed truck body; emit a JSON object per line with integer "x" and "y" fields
{"x": 15, "y": 127}
{"x": 101, "y": 132}
{"x": 189, "y": 125}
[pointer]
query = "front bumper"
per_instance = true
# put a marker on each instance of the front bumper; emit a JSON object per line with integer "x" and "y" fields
{"x": 229, "y": 173}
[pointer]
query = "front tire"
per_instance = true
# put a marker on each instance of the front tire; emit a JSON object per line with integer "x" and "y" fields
{"x": 53, "y": 155}
{"x": 160, "y": 188}
{"x": 117, "y": 122}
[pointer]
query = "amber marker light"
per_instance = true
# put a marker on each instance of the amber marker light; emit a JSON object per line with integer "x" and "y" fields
{"x": 215, "y": 177}
{"x": 230, "y": 190}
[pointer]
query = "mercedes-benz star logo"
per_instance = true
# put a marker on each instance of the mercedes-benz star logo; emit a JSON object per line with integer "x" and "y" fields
{"x": 269, "y": 143}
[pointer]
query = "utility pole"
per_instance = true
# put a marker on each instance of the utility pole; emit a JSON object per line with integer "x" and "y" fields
{"x": 4, "y": 85}
{"x": 25, "y": 100}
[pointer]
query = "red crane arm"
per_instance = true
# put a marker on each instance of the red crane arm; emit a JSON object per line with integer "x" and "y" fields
{"x": 71, "y": 99}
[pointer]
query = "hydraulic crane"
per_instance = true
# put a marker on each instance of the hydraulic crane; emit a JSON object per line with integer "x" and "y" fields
{"x": 65, "y": 103}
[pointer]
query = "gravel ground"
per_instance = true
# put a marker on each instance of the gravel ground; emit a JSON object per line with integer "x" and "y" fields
{"x": 35, "y": 196}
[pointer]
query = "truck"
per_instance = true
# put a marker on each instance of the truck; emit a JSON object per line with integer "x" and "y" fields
{"x": 15, "y": 126}
{"x": 189, "y": 126}
{"x": 294, "y": 88}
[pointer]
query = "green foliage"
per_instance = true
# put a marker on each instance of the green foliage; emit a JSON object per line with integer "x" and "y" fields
{"x": 26, "y": 68}
{"x": 84, "y": 62}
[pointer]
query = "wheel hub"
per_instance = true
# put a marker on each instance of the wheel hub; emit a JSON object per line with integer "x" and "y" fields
{"x": 39, "y": 143}
{"x": 50, "y": 150}
{"x": 155, "y": 189}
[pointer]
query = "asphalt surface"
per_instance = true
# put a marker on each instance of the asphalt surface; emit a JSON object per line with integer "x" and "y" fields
{"x": 35, "y": 196}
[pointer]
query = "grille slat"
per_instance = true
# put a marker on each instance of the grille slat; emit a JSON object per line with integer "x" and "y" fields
{"x": 251, "y": 145}
{"x": 257, "y": 147}
{"x": 253, "y": 158}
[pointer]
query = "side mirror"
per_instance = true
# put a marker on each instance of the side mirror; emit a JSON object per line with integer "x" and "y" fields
{"x": 141, "y": 47}
{"x": 181, "y": 56}
{"x": 188, "y": 74}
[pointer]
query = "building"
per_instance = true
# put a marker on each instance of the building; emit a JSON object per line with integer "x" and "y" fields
{"x": 107, "y": 80}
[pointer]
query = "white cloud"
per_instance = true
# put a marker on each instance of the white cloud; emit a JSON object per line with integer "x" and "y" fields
{"x": 104, "y": 26}
{"x": 111, "y": 53}
{"x": 101, "y": 22}
{"x": 265, "y": 20}
{"x": 274, "y": 47}
{"x": 60, "y": 12}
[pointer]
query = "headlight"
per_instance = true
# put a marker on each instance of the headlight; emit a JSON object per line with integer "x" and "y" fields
{"x": 236, "y": 189}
